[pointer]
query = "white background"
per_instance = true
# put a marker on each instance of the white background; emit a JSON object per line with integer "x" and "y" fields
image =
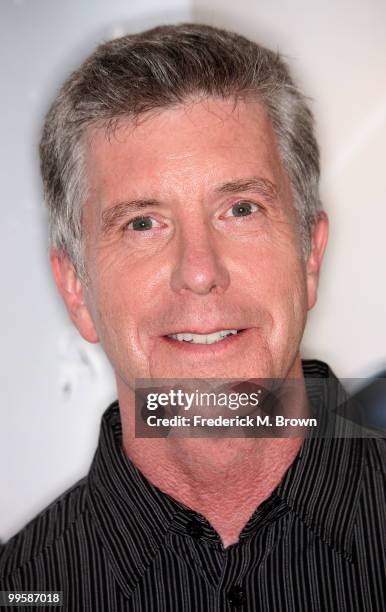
{"x": 54, "y": 386}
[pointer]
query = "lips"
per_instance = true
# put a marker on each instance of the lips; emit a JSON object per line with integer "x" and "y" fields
{"x": 209, "y": 338}
{"x": 221, "y": 344}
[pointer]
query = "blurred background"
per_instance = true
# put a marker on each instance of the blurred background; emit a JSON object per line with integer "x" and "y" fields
{"x": 54, "y": 385}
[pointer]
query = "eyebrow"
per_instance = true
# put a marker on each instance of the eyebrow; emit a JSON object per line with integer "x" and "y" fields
{"x": 119, "y": 211}
{"x": 113, "y": 215}
{"x": 255, "y": 184}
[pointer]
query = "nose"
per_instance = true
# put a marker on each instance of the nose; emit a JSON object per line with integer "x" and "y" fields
{"x": 199, "y": 264}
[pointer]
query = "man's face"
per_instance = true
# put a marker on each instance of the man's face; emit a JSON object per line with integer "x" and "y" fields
{"x": 190, "y": 228}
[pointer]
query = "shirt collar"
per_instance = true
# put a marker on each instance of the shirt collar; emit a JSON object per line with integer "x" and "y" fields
{"x": 125, "y": 504}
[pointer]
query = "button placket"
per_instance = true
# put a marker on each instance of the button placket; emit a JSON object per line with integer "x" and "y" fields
{"x": 236, "y": 596}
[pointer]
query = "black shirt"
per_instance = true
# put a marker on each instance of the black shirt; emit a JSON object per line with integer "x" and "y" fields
{"x": 115, "y": 542}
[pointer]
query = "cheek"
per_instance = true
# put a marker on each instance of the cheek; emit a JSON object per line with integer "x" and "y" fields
{"x": 124, "y": 294}
{"x": 292, "y": 302}
{"x": 274, "y": 272}
{"x": 112, "y": 314}
{"x": 279, "y": 282}
{"x": 117, "y": 325}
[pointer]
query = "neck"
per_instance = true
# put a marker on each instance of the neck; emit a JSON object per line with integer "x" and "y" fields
{"x": 224, "y": 479}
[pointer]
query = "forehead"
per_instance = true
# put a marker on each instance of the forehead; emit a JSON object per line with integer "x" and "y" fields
{"x": 190, "y": 148}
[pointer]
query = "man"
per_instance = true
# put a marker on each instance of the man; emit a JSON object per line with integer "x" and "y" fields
{"x": 181, "y": 176}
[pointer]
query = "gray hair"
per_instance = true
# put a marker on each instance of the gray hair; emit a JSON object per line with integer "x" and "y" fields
{"x": 155, "y": 69}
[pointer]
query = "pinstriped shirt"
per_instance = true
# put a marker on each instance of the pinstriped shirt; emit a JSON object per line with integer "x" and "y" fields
{"x": 114, "y": 542}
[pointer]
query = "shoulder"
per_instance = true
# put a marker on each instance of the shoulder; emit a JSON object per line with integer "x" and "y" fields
{"x": 46, "y": 531}
{"x": 369, "y": 527}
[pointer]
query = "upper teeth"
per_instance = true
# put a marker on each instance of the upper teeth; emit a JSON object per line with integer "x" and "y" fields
{"x": 203, "y": 338}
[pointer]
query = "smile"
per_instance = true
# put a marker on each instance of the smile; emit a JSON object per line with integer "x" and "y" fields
{"x": 203, "y": 338}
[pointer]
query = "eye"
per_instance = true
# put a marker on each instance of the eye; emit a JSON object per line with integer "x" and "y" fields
{"x": 242, "y": 209}
{"x": 142, "y": 224}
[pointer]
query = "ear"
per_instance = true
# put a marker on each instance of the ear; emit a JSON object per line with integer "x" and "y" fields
{"x": 319, "y": 239}
{"x": 72, "y": 291}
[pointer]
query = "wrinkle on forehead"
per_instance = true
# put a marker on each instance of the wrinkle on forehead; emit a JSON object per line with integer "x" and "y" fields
{"x": 203, "y": 150}
{"x": 226, "y": 109}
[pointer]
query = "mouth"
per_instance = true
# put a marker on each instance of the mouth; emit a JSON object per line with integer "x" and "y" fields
{"x": 210, "y": 338}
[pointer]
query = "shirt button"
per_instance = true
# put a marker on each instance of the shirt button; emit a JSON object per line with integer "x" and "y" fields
{"x": 236, "y": 596}
{"x": 194, "y": 529}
